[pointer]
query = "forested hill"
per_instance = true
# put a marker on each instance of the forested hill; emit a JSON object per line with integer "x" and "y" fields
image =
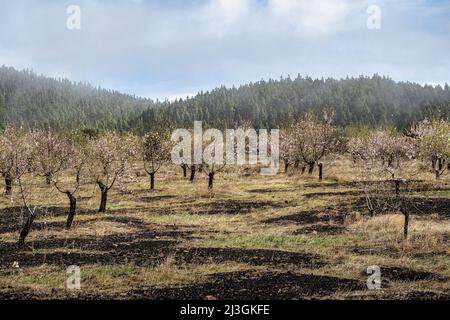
{"x": 369, "y": 100}
{"x": 37, "y": 101}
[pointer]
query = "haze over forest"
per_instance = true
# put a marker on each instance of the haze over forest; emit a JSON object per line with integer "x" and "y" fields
{"x": 38, "y": 101}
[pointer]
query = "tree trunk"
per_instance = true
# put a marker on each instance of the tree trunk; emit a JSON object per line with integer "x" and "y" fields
{"x": 192, "y": 173}
{"x": 72, "y": 210}
{"x": 320, "y": 171}
{"x": 104, "y": 191}
{"x": 440, "y": 164}
{"x": 48, "y": 178}
{"x": 8, "y": 185}
{"x": 210, "y": 180}
{"x": 152, "y": 181}
{"x": 438, "y": 174}
{"x": 286, "y": 166}
{"x": 405, "y": 227}
{"x": 26, "y": 229}
{"x": 397, "y": 187}
{"x": 311, "y": 168}
{"x": 184, "y": 170}
{"x": 303, "y": 169}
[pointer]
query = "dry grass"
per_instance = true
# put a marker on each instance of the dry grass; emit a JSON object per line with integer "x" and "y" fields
{"x": 179, "y": 207}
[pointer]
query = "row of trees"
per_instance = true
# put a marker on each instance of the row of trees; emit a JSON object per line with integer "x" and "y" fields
{"x": 382, "y": 155}
{"x": 379, "y": 156}
{"x": 307, "y": 141}
{"x": 67, "y": 161}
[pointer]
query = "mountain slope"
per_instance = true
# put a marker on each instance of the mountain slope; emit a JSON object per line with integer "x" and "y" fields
{"x": 38, "y": 101}
{"x": 267, "y": 104}
{"x": 41, "y": 102}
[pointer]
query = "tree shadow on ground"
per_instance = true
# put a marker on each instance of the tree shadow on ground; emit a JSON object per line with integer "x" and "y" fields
{"x": 251, "y": 256}
{"x": 311, "y": 217}
{"x": 246, "y": 285}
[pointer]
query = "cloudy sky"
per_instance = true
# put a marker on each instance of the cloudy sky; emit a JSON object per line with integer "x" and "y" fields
{"x": 167, "y": 49}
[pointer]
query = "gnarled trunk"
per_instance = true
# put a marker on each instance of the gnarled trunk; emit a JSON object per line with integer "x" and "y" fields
{"x": 104, "y": 198}
{"x": 26, "y": 229}
{"x": 72, "y": 210}
{"x": 152, "y": 181}
{"x": 286, "y": 166}
{"x": 406, "y": 225}
{"x": 320, "y": 171}
{"x": 8, "y": 184}
{"x": 441, "y": 163}
{"x": 184, "y": 167}
{"x": 397, "y": 187}
{"x": 193, "y": 169}
{"x": 48, "y": 178}
{"x": 210, "y": 180}
{"x": 311, "y": 168}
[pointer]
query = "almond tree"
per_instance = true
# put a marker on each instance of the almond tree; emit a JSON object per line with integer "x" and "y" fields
{"x": 111, "y": 156}
{"x": 9, "y": 140}
{"x": 155, "y": 151}
{"x": 287, "y": 147}
{"x": 381, "y": 155}
{"x": 16, "y": 161}
{"x": 213, "y": 155}
{"x": 433, "y": 138}
{"x": 22, "y": 155}
{"x": 314, "y": 138}
{"x": 73, "y": 166}
{"x": 51, "y": 153}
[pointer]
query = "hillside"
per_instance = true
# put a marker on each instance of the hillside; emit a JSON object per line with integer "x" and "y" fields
{"x": 38, "y": 101}
{"x": 366, "y": 100}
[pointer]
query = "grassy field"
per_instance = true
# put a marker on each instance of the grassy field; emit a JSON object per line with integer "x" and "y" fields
{"x": 281, "y": 237}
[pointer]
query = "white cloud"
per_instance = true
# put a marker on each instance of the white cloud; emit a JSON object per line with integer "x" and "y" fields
{"x": 182, "y": 46}
{"x": 312, "y": 16}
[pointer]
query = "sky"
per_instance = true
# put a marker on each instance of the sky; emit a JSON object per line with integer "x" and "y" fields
{"x": 165, "y": 49}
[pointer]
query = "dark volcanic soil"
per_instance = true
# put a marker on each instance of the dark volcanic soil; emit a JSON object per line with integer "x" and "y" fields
{"x": 311, "y": 217}
{"x": 249, "y": 285}
{"x": 232, "y": 207}
{"x": 251, "y": 256}
{"x": 141, "y": 248}
{"x": 407, "y": 275}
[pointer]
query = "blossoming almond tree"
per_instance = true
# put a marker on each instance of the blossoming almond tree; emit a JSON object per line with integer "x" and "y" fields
{"x": 111, "y": 157}
{"x": 17, "y": 160}
{"x": 22, "y": 155}
{"x": 287, "y": 148}
{"x": 313, "y": 139}
{"x": 433, "y": 137}
{"x": 381, "y": 156}
{"x": 9, "y": 140}
{"x": 155, "y": 149}
{"x": 73, "y": 167}
{"x": 51, "y": 153}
